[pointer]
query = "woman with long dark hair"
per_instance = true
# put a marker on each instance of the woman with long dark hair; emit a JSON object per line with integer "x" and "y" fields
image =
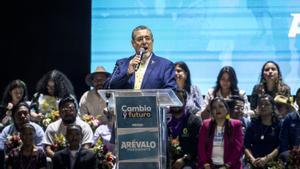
{"x": 262, "y": 134}
{"x": 53, "y": 86}
{"x": 15, "y": 92}
{"x": 270, "y": 83}
{"x": 194, "y": 99}
{"x": 226, "y": 86}
{"x": 220, "y": 143}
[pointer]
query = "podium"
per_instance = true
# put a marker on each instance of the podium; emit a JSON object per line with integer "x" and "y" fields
{"x": 140, "y": 126}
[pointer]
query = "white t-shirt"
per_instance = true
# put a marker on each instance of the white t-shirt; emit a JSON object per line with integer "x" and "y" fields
{"x": 105, "y": 132}
{"x": 58, "y": 127}
{"x": 218, "y": 147}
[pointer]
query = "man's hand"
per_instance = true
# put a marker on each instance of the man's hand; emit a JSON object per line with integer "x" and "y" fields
{"x": 133, "y": 62}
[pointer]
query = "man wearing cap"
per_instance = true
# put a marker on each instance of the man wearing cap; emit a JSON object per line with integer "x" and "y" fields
{"x": 143, "y": 70}
{"x": 91, "y": 102}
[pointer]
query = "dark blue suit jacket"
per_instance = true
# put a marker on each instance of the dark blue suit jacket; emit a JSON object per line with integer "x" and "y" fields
{"x": 86, "y": 159}
{"x": 160, "y": 74}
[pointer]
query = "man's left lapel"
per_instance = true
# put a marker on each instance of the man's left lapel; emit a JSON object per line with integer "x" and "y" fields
{"x": 149, "y": 69}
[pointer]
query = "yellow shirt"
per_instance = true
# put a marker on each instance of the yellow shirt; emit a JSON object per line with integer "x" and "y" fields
{"x": 139, "y": 74}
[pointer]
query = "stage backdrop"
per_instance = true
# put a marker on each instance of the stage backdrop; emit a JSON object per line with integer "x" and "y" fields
{"x": 206, "y": 34}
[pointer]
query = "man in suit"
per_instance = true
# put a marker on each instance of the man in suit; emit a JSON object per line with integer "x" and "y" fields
{"x": 143, "y": 70}
{"x": 74, "y": 156}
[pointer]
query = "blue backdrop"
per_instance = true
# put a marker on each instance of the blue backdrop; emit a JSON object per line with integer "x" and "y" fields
{"x": 206, "y": 34}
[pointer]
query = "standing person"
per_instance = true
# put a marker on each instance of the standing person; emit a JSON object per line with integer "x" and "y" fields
{"x": 220, "y": 144}
{"x": 290, "y": 131}
{"x": 143, "y": 70}
{"x": 91, "y": 102}
{"x": 226, "y": 86}
{"x": 68, "y": 109}
{"x": 15, "y": 92}
{"x": 183, "y": 79}
{"x": 262, "y": 134}
{"x": 74, "y": 156}
{"x": 28, "y": 156}
{"x": 184, "y": 128}
{"x": 270, "y": 83}
{"x": 53, "y": 86}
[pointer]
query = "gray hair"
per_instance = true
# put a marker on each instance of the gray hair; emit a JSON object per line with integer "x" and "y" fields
{"x": 141, "y": 27}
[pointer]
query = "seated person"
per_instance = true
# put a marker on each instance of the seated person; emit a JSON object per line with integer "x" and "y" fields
{"x": 15, "y": 92}
{"x": 183, "y": 80}
{"x": 68, "y": 111}
{"x": 226, "y": 86}
{"x": 184, "y": 127}
{"x": 28, "y": 156}
{"x": 283, "y": 105}
{"x": 20, "y": 116}
{"x": 53, "y": 86}
{"x": 91, "y": 101}
{"x": 262, "y": 134}
{"x": 290, "y": 132}
{"x": 236, "y": 106}
{"x": 271, "y": 83}
{"x": 74, "y": 156}
{"x": 220, "y": 143}
{"x": 105, "y": 131}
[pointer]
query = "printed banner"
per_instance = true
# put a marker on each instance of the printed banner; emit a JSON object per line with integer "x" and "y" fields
{"x": 136, "y": 112}
{"x": 138, "y": 145}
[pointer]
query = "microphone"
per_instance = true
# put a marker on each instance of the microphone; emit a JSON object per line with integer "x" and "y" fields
{"x": 112, "y": 76}
{"x": 141, "y": 52}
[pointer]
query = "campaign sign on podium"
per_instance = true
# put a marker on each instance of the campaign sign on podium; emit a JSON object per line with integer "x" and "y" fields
{"x": 136, "y": 112}
{"x": 140, "y": 126}
{"x": 137, "y": 133}
{"x": 138, "y": 148}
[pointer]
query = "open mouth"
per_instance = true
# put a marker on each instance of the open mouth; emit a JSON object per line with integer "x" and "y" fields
{"x": 146, "y": 48}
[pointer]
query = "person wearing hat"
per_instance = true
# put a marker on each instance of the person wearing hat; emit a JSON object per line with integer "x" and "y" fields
{"x": 284, "y": 106}
{"x": 91, "y": 102}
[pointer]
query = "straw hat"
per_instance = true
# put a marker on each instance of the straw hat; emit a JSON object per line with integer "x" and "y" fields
{"x": 283, "y": 100}
{"x": 99, "y": 70}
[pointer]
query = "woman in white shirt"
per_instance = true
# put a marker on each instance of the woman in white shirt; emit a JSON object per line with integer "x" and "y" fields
{"x": 226, "y": 86}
